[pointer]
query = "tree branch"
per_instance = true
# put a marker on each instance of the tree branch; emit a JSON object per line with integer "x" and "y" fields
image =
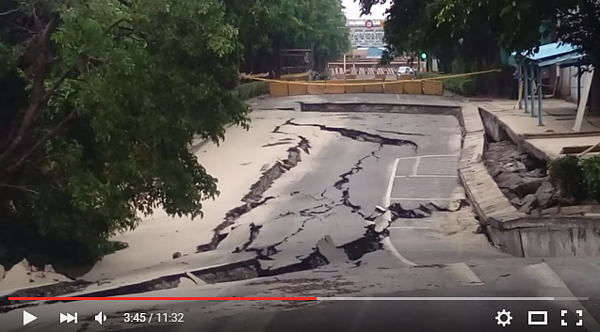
{"x": 114, "y": 25}
{"x": 9, "y": 12}
{"x": 47, "y": 136}
{"x": 38, "y": 93}
{"x": 22, "y": 188}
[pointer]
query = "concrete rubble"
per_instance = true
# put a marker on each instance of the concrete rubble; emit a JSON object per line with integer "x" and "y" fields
{"x": 522, "y": 178}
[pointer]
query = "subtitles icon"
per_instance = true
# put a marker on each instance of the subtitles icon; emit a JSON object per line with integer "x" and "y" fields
{"x": 537, "y": 318}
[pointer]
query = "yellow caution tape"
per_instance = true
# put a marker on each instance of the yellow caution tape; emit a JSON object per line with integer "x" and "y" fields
{"x": 252, "y": 76}
{"x": 294, "y": 75}
{"x": 345, "y": 83}
{"x": 288, "y": 76}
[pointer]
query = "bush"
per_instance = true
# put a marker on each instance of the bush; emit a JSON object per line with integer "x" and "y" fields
{"x": 246, "y": 91}
{"x": 591, "y": 175}
{"x": 567, "y": 173}
{"x": 464, "y": 86}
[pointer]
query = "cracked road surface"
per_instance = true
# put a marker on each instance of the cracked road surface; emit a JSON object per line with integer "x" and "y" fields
{"x": 297, "y": 217}
{"x": 503, "y": 277}
{"x": 291, "y": 180}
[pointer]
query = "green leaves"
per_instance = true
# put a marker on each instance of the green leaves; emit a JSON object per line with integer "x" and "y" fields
{"x": 129, "y": 86}
{"x": 100, "y": 100}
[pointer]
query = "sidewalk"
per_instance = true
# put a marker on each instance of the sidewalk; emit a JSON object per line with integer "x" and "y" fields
{"x": 551, "y": 140}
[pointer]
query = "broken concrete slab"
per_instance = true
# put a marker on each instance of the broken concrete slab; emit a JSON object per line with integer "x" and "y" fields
{"x": 185, "y": 282}
{"x": 529, "y": 203}
{"x": 333, "y": 254}
{"x": 24, "y": 275}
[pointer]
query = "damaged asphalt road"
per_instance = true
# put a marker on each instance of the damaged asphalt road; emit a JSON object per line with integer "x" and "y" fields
{"x": 254, "y": 198}
{"x": 314, "y": 204}
{"x": 328, "y": 216}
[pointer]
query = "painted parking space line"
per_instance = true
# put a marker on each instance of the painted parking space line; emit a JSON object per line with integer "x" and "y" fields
{"x": 431, "y": 156}
{"x": 461, "y": 270}
{"x": 388, "y": 192}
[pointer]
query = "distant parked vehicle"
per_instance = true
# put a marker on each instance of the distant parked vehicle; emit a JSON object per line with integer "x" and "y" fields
{"x": 406, "y": 71}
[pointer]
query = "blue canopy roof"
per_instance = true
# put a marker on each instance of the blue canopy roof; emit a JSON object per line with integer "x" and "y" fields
{"x": 551, "y": 54}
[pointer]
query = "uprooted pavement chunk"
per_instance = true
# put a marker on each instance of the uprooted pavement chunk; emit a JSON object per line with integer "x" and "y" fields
{"x": 546, "y": 195}
{"x": 518, "y": 184}
{"x": 327, "y": 248}
{"x": 529, "y": 203}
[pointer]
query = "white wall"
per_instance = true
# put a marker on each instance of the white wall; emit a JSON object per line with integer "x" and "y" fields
{"x": 568, "y": 85}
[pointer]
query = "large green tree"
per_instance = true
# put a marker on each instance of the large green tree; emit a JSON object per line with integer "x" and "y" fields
{"x": 412, "y": 26}
{"x": 521, "y": 25}
{"x": 100, "y": 100}
{"x": 268, "y": 26}
{"x": 103, "y": 99}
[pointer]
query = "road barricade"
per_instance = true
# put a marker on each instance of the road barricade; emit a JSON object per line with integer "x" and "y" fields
{"x": 316, "y": 89}
{"x": 374, "y": 88}
{"x": 297, "y": 89}
{"x": 333, "y": 88}
{"x": 394, "y": 88}
{"x": 431, "y": 86}
{"x": 278, "y": 89}
{"x": 414, "y": 87}
{"x": 435, "y": 88}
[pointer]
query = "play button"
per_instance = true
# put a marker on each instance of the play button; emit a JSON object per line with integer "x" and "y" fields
{"x": 28, "y": 318}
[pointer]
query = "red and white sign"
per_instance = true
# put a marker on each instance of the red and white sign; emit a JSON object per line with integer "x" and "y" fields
{"x": 369, "y": 24}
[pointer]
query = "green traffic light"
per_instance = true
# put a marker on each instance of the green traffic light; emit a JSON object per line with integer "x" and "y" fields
{"x": 423, "y": 55}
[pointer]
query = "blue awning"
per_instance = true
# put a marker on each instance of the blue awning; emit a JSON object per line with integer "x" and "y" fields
{"x": 551, "y": 54}
{"x": 561, "y": 60}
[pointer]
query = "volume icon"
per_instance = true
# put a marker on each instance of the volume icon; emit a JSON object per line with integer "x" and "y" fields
{"x": 100, "y": 318}
{"x": 68, "y": 318}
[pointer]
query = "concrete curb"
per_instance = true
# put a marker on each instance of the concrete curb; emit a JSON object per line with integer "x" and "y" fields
{"x": 514, "y": 232}
{"x": 488, "y": 201}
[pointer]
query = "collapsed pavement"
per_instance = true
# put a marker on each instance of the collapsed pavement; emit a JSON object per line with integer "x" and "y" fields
{"x": 324, "y": 252}
{"x": 521, "y": 177}
{"x": 254, "y": 198}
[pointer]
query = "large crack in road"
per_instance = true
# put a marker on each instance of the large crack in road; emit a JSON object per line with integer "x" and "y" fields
{"x": 325, "y": 249}
{"x": 254, "y": 198}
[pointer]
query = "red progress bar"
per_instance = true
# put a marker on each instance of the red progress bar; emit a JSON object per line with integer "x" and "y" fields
{"x": 162, "y": 299}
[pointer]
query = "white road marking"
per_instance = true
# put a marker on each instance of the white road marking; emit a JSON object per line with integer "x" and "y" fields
{"x": 388, "y": 192}
{"x": 388, "y": 244}
{"x": 416, "y": 166}
{"x": 463, "y": 270}
{"x": 430, "y": 156}
{"x": 386, "y": 202}
{"x": 440, "y": 155}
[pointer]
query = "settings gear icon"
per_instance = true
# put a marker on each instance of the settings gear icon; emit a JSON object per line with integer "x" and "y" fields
{"x": 503, "y": 317}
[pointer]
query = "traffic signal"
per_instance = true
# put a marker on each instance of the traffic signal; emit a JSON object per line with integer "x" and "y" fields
{"x": 423, "y": 55}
